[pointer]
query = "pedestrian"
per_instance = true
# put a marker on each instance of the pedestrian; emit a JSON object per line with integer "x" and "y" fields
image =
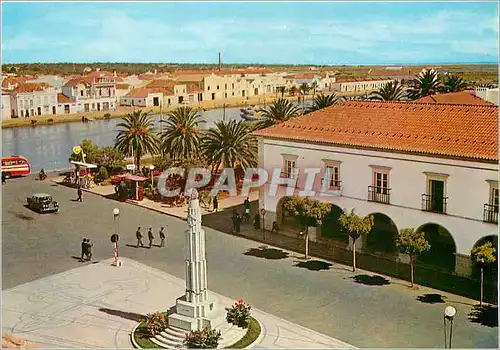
{"x": 150, "y": 236}
{"x": 216, "y": 203}
{"x": 79, "y": 192}
{"x": 90, "y": 244}
{"x": 246, "y": 204}
{"x": 84, "y": 248}
{"x": 162, "y": 237}
{"x": 233, "y": 219}
{"x": 3, "y": 177}
{"x": 237, "y": 222}
{"x": 139, "y": 237}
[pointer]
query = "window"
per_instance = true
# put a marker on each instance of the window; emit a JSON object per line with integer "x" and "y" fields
{"x": 333, "y": 177}
{"x": 233, "y": 85}
{"x": 217, "y": 87}
{"x": 81, "y": 93}
{"x": 225, "y": 86}
{"x": 208, "y": 87}
{"x": 31, "y": 103}
{"x": 225, "y": 95}
{"x": 435, "y": 199}
{"x": 213, "y": 96}
{"x": 39, "y": 110}
{"x": 22, "y": 114}
{"x": 491, "y": 208}
{"x": 289, "y": 168}
{"x": 379, "y": 191}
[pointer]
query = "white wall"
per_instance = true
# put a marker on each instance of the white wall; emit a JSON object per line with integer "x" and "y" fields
{"x": 31, "y": 101}
{"x": 467, "y": 188}
{"x": 6, "y": 109}
{"x": 490, "y": 95}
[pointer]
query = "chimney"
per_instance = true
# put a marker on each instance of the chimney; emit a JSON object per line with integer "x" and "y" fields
{"x": 220, "y": 63}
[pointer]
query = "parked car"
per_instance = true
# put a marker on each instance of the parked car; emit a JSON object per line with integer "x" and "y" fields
{"x": 42, "y": 203}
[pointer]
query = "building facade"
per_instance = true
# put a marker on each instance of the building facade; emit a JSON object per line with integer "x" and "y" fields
{"x": 411, "y": 165}
{"x": 32, "y": 99}
{"x": 96, "y": 93}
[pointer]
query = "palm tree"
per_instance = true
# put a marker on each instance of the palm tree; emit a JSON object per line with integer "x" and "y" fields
{"x": 426, "y": 83}
{"x": 137, "y": 136}
{"x": 314, "y": 86}
{"x": 392, "y": 91}
{"x": 181, "y": 138}
{"x": 322, "y": 101}
{"x": 292, "y": 90}
{"x": 304, "y": 89}
{"x": 282, "y": 90}
{"x": 453, "y": 83}
{"x": 230, "y": 144}
{"x": 280, "y": 111}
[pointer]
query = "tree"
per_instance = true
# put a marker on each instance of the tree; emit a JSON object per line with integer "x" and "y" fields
{"x": 181, "y": 138}
{"x": 392, "y": 91}
{"x": 355, "y": 226}
{"x": 482, "y": 256}
{"x": 304, "y": 89}
{"x": 110, "y": 157}
{"x": 307, "y": 212}
{"x": 314, "y": 86}
{"x": 426, "y": 83}
{"x": 453, "y": 83}
{"x": 321, "y": 101}
{"x": 280, "y": 111}
{"x": 90, "y": 150}
{"x": 137, "y": 136}
{"x": 292, "y": 90}
{"x": 282, "y": 90}
{"x": 412, "y": 243}
{"x": 230, "y": 144}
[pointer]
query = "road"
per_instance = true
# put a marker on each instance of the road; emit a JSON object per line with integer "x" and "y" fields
{"x": 328, "y": 301}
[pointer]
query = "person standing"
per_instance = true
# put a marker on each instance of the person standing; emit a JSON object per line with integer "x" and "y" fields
{"x": 216, "y": 203}
{"x": 90, "y": 244}
{"x": 3, "y": 177}
{"x": 150, "y": 236}
{"x": 84, "y": 248}
{"x": 246, "y": 204}
{"x": 138, "y": 234}
{"x": 162, "y": 237}
{"x": 237, "y": 223}
{"x": 79, "y": 192}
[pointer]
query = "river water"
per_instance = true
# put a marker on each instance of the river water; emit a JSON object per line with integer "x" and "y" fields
{"x": 49, "y": 146}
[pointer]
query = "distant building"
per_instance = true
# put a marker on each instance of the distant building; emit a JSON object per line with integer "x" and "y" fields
{"x": 33, "y": 99}
{"x": 488, "y": 94}
{"x": 461, "y": 97}
{"x": 95, "y": 92}
{"x": 6, "y": 106}
{"x": 360, "y": 84}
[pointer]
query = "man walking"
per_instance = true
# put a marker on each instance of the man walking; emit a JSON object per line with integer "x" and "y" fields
{"x": 150, "y": 236}
{"x": 139, "y": 237}
{"x": 79, "y": 192}
{"x": 84, "y": 248}
{"x": 215, "y": 202}
{"x": 162, "y": 237}
{"x": 90, "y": 244}
{"x": 246, "y": 204}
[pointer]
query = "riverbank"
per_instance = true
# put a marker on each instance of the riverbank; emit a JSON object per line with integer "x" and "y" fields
{"x": 123, "y": 110}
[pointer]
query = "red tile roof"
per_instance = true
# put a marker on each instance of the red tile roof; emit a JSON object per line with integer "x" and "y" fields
{"x": 462, "y": 97}
{"x": 161, "y": 83}
{"x": 461, "y": 131}
{"x": 122, "y": 86}
{"x": 138, "y": 93}
{"x": 61, "y": 98}
{"x": 353, "y": 80}
{"x": 224, "y": 71}
{"x": 31, "y": 87}
{"x": 76, "y": 81}
{"x": 12, "y": 81}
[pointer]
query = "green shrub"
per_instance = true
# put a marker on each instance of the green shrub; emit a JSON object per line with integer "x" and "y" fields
{"x": 206, "y": 338}
{"x": 103, "y": 173}
{"x": 239, "y": 314}
{"x": 155, "y": 322}
{"x": 253, "y": 332}
{"x": 107, "y": 116}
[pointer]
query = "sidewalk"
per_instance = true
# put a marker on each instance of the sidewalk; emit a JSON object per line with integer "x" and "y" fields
{"x": 179, "y": 212}
{"x": 97, "y": 306}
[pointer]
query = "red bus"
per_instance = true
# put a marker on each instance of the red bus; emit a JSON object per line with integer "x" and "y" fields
{"x": 15, "y": 166}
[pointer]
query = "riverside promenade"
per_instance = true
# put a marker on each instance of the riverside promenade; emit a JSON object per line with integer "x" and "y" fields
{"x": 98, "y": 305}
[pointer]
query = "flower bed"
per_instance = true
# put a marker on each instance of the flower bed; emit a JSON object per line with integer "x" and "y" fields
{"x": 253, "y": 332}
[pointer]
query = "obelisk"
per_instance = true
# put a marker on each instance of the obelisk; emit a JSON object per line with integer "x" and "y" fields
{"x": 195, "y": 309}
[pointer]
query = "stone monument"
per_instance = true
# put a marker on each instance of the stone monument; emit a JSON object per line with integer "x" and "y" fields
{"x": 196, "y": 309}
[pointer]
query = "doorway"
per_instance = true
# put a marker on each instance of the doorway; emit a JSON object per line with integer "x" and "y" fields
{"x": 156, "y": 101}
{"x": 436, "y": 188}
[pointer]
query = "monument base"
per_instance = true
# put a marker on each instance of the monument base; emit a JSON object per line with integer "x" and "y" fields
{"x": 192, "y": 316}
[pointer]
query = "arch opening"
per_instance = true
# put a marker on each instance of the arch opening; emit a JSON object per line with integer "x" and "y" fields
{"x": 443, "y": 247}
{"x": 286, "y": 222}
{"x": 331, "y": 228}
{"x": 383, "y": 235}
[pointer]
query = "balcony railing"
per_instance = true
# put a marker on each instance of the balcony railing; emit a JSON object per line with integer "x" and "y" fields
{"x": 379, "y": 194}
{"x": 331, "y": 185}
{"x": 433, "y": 203}
{"x": 287, "y": 175}
{"x": 490, "y": 213}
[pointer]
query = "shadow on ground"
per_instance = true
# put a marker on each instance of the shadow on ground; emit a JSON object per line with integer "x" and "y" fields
{"x": 267, "y": 253}
{"x": 127, "y": 315}
{"x": 431, "y": 298}
{"x": 22, "y": 216}
{"x": 314, "y": 265}
{"x": 486, "y": 315}
{"x": 373, "y": 280}
{"x": 221, "y": 221}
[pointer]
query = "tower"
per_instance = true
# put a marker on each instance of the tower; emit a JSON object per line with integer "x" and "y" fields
{"x": 220, "y": 62}
{"x": 195, "y": 309}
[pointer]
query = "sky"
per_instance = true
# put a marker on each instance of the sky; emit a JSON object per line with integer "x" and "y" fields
{"x": 332, "y": 33}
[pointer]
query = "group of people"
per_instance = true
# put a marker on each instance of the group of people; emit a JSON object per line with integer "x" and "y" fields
{"x": 238, "y": 219}
{"x": 151, "y": 237}
{"x": 87, "y": 245}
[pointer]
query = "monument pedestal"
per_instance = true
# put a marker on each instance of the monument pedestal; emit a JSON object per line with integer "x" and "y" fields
{"x": 192, "y": 316}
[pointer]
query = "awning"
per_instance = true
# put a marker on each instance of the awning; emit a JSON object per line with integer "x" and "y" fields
{"x": 129, "y": 177}
{"x": 86, "y": 165}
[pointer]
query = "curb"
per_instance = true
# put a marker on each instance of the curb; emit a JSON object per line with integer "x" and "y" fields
{"x": 132, "y": 340}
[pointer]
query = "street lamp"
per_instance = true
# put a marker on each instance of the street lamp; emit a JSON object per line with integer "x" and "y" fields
{"x": 449, "y": 313}
{"x": 263, "y": 213}
{"x": 151, "y": 168}
{"x": 114, "y": 237}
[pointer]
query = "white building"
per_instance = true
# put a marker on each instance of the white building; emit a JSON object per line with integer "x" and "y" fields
{"x": 92, "y": 93}
{"x": 488, "y": 94}
{"x": 30, "y": 99}
{"x": 6, "y": 107}
{"x": 410, "y": 164}
{"x": 360, "y": 85}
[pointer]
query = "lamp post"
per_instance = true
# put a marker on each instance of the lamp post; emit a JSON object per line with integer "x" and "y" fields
{"x": 263, "y": 213}
{"x": 151, "y": 168}
{"x": 449, "y": 313}
{"x": 114, "y": 237}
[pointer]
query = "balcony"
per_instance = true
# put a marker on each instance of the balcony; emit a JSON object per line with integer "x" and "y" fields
{"x": 332, "y": 185}
{"x": 490, "y": 213}
{"x": 379, "y": 194}
{"x": 434, "y": 204}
